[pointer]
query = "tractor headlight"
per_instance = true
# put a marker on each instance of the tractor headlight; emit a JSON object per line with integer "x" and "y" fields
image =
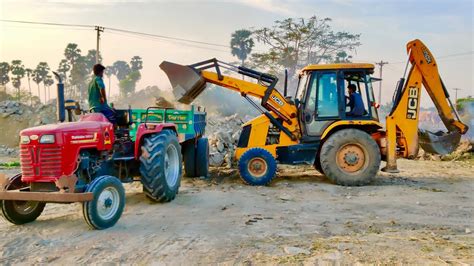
{"x": 47, "y": 139}
{"x": 24, "y": 139}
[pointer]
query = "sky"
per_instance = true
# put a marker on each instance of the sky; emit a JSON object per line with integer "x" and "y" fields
{"x": 446, "y": 27}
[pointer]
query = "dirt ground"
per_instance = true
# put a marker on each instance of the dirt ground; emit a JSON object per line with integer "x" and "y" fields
{"x": 424, "y": 215}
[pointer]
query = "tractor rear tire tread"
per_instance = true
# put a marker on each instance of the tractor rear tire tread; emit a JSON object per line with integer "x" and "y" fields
{"x": 152, "y": 169}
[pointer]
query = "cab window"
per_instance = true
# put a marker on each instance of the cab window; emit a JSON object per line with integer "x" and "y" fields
{"x": 328, "y": 104}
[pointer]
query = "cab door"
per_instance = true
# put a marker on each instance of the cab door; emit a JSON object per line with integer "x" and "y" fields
{"x": 321, "y": 105}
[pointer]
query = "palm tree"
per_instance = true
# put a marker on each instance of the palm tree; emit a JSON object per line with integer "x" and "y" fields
{"x": 72, "y": 53}
{"x": 18, "y": 70}
{"x": 29, "y": 71}
{"x": 109, "y": 71}
{"x": 4, "y": 78}
{"x": 241, "y": 44}
{"x": 37, "y": 79}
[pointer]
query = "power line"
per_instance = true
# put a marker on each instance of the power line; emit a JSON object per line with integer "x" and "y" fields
{"x": 47, "y": 23}
{"x": 117, "y": 30}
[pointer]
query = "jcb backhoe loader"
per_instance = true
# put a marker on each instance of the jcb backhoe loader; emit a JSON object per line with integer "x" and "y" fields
{"x": 317, "y": 127}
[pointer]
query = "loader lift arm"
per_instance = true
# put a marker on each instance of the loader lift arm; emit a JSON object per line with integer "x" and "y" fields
{"x": 402, "y": 132}
{"x": 189, "y": 81}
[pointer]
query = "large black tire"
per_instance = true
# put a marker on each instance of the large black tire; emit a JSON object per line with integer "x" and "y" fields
{"x": 107, "y": 206}
{"x": 317, "y": 163}
{"x": 350, "y": 157}
{"x": 161, "y": 166}
{"x": 202, "y": 157}
{"x": 20, "y": 212}
{"x": 189, "y": 158}
{"x": 257, "y": 167}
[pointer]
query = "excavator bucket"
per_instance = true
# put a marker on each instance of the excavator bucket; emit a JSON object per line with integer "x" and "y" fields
{"x": 187, "y": 82}
{"x": 440, "y": 142}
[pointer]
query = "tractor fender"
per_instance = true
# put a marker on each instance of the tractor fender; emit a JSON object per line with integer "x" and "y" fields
{"x": 144, "y": 130}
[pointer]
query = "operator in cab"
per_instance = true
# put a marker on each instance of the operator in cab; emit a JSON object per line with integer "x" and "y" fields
{"x": 355, "y": 102}
{"x": 97, "y": 97}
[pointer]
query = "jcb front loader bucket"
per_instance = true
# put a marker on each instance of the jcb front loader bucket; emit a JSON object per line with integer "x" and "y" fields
{"x": 440, "y": 142}
{"x": 187, "y": 82}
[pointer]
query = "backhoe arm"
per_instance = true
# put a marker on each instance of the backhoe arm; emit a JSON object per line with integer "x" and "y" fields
{"x": 189, "y": 81}
{"x": 402, "y": 132}
{"x": 424, "y": 61}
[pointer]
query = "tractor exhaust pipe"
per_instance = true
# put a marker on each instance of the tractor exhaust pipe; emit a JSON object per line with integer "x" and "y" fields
{"x": 61, "y": 113}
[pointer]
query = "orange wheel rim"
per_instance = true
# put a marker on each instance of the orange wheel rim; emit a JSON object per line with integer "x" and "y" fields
{"x": 351, "y": 158}
{"x": 257, "y": 167}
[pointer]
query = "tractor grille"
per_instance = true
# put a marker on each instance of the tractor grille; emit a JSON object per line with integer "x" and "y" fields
{"x": 37, "y": 161}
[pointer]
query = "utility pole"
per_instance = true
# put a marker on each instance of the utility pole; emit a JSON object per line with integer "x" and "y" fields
{"x": 456, "y": 98}
{"x": 380, "y": 64}
{"x": 99, "y": 29}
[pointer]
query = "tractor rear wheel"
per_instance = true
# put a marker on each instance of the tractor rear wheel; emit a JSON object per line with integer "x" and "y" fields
{"x": 257, "y": 167}
{"x": 106, "y": 207}
{"x": 189, "y": 158}
{"x": 17, "y": 211}
{"x": 161, "y": 166}
{"x": 350, "y": 157}
{"x": 202, "y": 157}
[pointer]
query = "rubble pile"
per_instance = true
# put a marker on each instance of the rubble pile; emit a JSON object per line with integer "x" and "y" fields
{"x": 7, "y": 151}
{"x": 465, "y": 150}
{"x": 223, "y": 134}
{"x": 15, "y": 116}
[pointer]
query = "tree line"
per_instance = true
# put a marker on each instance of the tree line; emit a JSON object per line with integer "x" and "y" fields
{"x": 293, "y": 43}
{"x": 75, "y": 70}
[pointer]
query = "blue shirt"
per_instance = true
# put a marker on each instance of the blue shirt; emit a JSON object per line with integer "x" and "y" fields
{"x": 356, "y": 104}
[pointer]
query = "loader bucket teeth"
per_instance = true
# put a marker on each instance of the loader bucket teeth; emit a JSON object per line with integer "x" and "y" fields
{"x": 186, "y": 81}
{"x": 440, "y": 142}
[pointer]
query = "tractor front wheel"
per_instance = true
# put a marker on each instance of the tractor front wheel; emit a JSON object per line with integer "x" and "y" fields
{"x": 257, "y": 167}
{"x": 161, "y": 166}
{"x": 107, "y": 206}
{"x": 350, "y": 157}
{"x": 17, "y": 211}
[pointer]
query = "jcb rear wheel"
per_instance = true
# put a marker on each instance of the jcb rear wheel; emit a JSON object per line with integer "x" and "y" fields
{"x": 350, "y": 157}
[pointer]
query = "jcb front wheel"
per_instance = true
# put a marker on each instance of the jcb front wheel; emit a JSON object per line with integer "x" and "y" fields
{"x": 257, "y": 167}
{"x": 350, "y": 157}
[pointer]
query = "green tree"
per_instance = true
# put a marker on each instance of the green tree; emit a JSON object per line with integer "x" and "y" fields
{"x": 47, "y": 82}
{"x": 122, "y": 68}
{"x": 128, "y": 85}
{"x": 17, "y": 70}
{"x": 109, "y": 72}
{"x": 4, "y": 78}
{"x": 41, "y": 72}
{"x": 241, "y": 44}
{"x": 29, "y": 72}
{"x": 37, "y": 79}
{"x": 294, "y": 43}
{"x": 79, "y": 76}
{"x": 136, "y": 63}
{"x": 72, "y": 53}
{"x": 63, "y": 68}
{"x": 342, "y": 57}
{"x": 90, "y": 60}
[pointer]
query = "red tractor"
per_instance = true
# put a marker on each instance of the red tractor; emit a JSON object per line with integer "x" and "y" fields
{"x": 88, "y": 160}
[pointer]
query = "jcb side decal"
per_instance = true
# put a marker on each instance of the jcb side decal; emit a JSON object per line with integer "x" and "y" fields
{"x": 412, "y": 107}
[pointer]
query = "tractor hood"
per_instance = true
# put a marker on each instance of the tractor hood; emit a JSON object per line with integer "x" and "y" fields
{"x": 89, "y": 122}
